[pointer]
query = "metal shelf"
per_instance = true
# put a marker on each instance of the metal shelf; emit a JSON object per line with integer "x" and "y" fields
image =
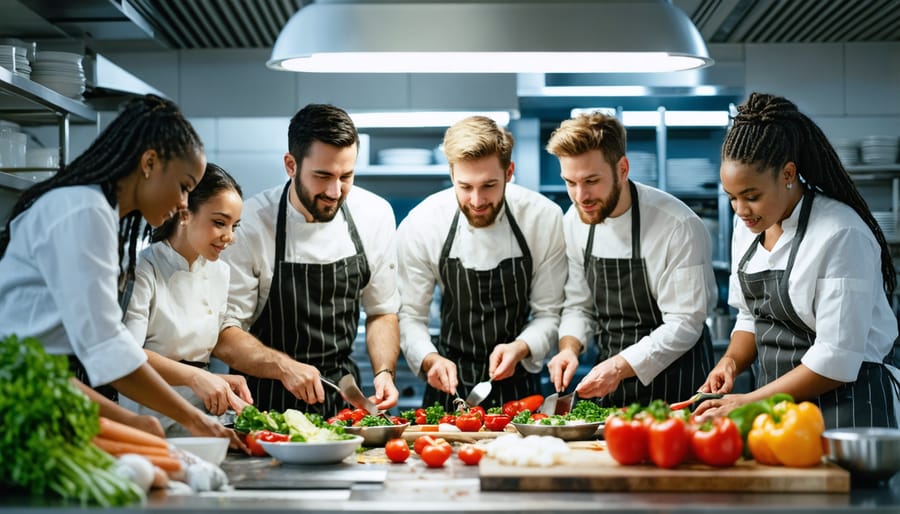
{"x": 28, "y": 103}
{"x": 15, "y": 182}
{"x": 873, "y": 172}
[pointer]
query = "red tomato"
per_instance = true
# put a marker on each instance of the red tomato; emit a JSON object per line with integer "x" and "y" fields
{"x": 425, "y": 440}
{"x": 397, "y": 450}
{"x": 538, "y": 416}
{"x": 478, "y": 411}
{"x": 435, "y": 455}
{"x": 334, "y": 420}
{"x": 420, "y": 417}
{"x": 272, "y": 437}
{"x": 450, "y": 419}
{"x": 468, "y": 422}
{"x": 496, "y": 422}
{"x": 531, "y": 402}
{"x": 626, "y": 439}
{"x": 397, "y": 420}
{"x": 470, "y": 454}
{"x": 667, "y": 442}
{"x": 717, "y": 443}
{"x": 344, "y": 414}
{"x": 358, "y": 414}
{"x": 253, "y": 445}
{"x": 512, "y": 408}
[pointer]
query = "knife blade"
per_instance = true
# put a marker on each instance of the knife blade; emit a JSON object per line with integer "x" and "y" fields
{"x": 564, "y": 404}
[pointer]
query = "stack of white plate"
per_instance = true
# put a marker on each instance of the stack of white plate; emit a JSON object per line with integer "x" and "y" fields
{"x": 692, "y": 176}
{"x": 15, "y": 58}
{"x": 405, "y": 156}
{"x": 847, "y": 151}
{"x": 61, "y": 72}
{"x": 642, "y": 168}
{"x": 888, "y": 223}
{"x": 879, "y": 149}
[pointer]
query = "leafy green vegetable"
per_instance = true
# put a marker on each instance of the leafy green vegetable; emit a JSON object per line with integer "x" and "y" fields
{"x": 311, "y": 427}
{"x": 374, "y": 421}
{"x": 522, "y": 417}
{"x": 251, "y": 419}
{"x": 48, "y": 424}
{"x": 589, "y": 411}
{"x": 434, "y": 414}
{"x": 494, "y": 410}
{"x": 409, "y": 414}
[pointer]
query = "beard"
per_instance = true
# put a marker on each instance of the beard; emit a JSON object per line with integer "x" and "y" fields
{"x": 311, "y": 203}
{"x": 483, "y": 220}
{"x": 607, "y": 205}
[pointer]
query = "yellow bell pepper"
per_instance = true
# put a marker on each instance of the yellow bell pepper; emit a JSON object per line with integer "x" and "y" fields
{"x": 791, "y": 435}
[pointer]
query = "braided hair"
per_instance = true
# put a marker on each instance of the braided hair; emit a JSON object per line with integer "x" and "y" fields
{"x": 145, "y": 123}
{"x": 215, "y": 180}
{"x": 769, "y": 132}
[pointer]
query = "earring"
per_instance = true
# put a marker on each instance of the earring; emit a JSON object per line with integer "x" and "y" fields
{"x": 146, "y": 173}
{"x": 790, "y": 185}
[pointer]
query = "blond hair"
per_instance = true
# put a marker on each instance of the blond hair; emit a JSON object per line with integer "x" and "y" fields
{"x": 476, "y": 137}
{"x": 586, "y": 132}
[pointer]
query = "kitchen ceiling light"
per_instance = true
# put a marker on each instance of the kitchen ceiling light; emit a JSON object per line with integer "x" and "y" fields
{"x": 401, "y": 119}
{"x": 602, "y": 36}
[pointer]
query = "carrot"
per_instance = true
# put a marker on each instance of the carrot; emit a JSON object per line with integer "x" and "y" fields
{"x": 168, "y": 464}
{"x": 120, "y": 447}
{"x": 116, "y": 431}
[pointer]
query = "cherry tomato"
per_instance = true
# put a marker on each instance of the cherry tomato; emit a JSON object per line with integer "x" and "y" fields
{"x": 425, "y": 440}
{"x": 253, "y": 445}
{"x": 468, "y": 422}
{"x": 470, "y": 454}
{"x": 477, "y": 410}
{"x": 717, "y": 443}
{"x": 435, "y": 455}
{"x": 496, "y": 422}
{"x": 334, "y": 420}
{"x": 397, "y": 450}
{"x": 344, "y": 414}
{"x": 538, "y": 416}
{"x": 358, "y": 414}
{"x": 450, "y": 419}
{"x": 667, "y": 442}
{"x": 626, "y": 439}
{"x": 531, "y": 402}
{"x": 397, "y": 420}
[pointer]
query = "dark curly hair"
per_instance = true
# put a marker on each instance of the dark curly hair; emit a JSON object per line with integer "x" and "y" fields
{"x": 769, "y": 131}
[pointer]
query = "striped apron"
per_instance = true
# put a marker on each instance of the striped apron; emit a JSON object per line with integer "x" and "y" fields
{"x": 627, "y": 312}
{"x": 782, "y": 338}
{"x": 479, "y": 310}
{"x": 311, "y": 314}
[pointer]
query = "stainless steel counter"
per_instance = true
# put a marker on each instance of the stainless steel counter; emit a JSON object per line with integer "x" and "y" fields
{"x": 411, "y": 487}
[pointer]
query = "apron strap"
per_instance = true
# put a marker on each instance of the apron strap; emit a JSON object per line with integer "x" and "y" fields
{"x": 635, "y": 229}
{"x": 280, "y": 224}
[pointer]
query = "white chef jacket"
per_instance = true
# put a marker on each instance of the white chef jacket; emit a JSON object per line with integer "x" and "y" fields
{"x": 252, "y": 257}
{"x": 420, "y": 240}
{"x": 678, "y": 254}
{"x": 58, "y": 282}
{"x": 177, "y": 310}
{"x": 835, "y": 287}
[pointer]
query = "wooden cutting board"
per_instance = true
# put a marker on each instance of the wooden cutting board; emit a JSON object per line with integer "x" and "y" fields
{"x": 461, "y": 437}
{"x": 591, "y": 468}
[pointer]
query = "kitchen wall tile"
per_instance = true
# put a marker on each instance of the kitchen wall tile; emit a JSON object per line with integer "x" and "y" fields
{"x": 352, "y": 91}
{"x": 253, "y": 134}
{"x": 811, "y": 75}
{"x": 873, "y": 79}
{"x": 463, "y": 91}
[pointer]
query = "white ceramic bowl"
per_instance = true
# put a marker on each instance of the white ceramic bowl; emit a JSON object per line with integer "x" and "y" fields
{"x": 210, "y": 449}
{"x": 326, "y": 452}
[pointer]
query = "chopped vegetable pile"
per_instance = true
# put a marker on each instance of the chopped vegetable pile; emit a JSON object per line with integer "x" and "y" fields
{"x": 48, "y": 424}
{"x": 299, "y": 426}
{"x": 583, "y": 412}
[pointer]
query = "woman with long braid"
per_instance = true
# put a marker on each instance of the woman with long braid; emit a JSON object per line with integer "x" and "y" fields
{"x": 811, "y": 274}
{"x": 61, "y": 274}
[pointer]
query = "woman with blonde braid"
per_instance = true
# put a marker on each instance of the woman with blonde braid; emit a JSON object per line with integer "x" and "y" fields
{"x": 61, "y": 276}
{"x": 811, "y": 274}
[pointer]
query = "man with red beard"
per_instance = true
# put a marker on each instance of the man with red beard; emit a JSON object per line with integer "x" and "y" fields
{"x": 640, "y": 275}
{"x": 498, "y": 257}
{"x": 307, "y": 255}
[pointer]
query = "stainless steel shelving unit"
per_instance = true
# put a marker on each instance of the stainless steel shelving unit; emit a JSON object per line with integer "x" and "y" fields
{"x": 26, "y": 102}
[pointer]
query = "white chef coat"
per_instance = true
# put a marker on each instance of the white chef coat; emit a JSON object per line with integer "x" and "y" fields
{"x": 252, "y": 257}
{"x": 58, "y": 282}
{"x": 835, "y": 287}
{"x": 420, "y": 240}
{"x": 678, "y": 254}
{"x": 177, "y": 310}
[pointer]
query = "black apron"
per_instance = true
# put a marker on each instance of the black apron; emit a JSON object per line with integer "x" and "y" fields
{"x": 479, "y": 310}
{"x": 311, "y": 314}
{"x": 782, "y": 338}
{"x": 627, "y": 312}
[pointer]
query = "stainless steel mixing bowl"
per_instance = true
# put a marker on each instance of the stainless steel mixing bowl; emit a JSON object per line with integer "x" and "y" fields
{"x": 868, "y": 453}
{"x": 378, "y": 435}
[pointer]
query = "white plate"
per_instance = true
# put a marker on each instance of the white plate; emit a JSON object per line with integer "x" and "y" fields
{"x": 327, "y": 452}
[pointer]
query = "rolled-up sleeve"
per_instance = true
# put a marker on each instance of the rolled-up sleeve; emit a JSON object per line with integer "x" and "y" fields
{"x": 844, "y": 303}
{"x": 80, "y": 269}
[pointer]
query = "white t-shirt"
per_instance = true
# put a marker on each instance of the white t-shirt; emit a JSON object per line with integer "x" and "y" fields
{"x": 420, "y": 240}
{"x": 678, "y": 253}
{"x": 176, "y": 310}
{"x": 58, "y": 282}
